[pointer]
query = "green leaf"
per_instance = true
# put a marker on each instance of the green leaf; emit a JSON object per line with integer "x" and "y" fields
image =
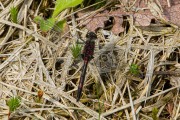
{"x": 14, "y": 103}
{"x": 134, "y": 69}
{"x": 49, "y": 24}
{"x": 38, "y": 19}
{"x": 14, "y": 14}
{"x": 46, "y": 25}
{"x": 63, "y": 4}
{"x": 59, "y": 25}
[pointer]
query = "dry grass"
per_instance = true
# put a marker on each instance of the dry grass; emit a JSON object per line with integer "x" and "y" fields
{"x": 31, "y": 61}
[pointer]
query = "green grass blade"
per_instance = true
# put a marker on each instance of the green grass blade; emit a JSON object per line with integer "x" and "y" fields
{"x": 76, "y": 50}
{"x": 14, "y": 14}
{"x": 14, "y": 103}
{"x": 134, "y": 69}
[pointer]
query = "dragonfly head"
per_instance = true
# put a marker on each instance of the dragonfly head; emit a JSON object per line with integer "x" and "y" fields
{"x": 91, "y": 35}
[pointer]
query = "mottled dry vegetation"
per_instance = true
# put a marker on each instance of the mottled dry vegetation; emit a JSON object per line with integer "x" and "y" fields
{"x": 135, "y": 73}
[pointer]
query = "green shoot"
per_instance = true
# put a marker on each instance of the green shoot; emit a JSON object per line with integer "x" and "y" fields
{"x": 154, "y": 113}
{"x": 46, "y": 25}
{"x": 14, "y": 13}
{"x": 76, "y": 50}
{"x": 101, "y": 108}
{"x": 64, "y": 4}
{"x": 13, "y": 103}
{"x": 99, "y": 111}
{"x": 134, "y": 69}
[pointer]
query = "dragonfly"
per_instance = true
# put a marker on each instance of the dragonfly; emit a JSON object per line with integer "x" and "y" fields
{"x": 87, "y": 55}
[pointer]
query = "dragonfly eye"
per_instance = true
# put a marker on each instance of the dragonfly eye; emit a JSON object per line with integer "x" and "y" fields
{"x": 91, "y": 35}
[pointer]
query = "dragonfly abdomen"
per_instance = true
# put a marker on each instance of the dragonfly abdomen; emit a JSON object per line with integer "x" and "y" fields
{"x": 81, "y": 82}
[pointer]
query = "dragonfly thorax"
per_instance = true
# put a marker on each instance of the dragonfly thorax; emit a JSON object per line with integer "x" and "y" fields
{"x": 89, "y": 46}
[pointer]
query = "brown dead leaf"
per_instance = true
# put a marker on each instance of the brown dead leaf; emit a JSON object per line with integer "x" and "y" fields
{"x": 98, "y": 21}
{"x": 169, "y": 108}
{"x": 95, "y": 22}
{"x": 118, "y": 21}
{"x": 143, "y": 18}
{"x": 171, "y": 11}
{"x": 153, "y": 11}
{"x": 117, "y": 27}
{"x": 132, "y": 3}
{"x": 164, "y": 3}
{"x": 172, "y": 14}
